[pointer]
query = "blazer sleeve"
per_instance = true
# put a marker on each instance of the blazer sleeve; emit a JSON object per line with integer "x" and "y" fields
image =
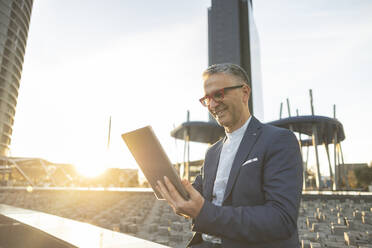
{"x": 276, "y": 219}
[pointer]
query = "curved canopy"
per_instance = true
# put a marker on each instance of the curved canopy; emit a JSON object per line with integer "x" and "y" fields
{"x": 199, "y": 131}
{"x": 210, "y": 132}
{"x": 325, "y": 127}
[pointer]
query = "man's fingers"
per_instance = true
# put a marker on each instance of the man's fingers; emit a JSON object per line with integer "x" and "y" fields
{"x": 189, "y": 188}
{"x": 180, "y": 206}
{"x": 164, "y": 191}
{"x": 159, "y": 189}
{"x": 172, "y": 190}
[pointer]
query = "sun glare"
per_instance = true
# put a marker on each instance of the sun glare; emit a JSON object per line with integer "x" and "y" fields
{"x": 90, "y": 170}
{"x": 92, "y": 166}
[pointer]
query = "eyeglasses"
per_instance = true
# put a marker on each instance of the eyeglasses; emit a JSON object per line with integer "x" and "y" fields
{"x": 217, "y": 95}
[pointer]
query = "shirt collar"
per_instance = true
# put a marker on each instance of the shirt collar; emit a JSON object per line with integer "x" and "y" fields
{"x": 238, "y": 132}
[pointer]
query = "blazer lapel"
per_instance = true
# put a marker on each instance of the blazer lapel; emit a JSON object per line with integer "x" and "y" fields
{"x": 211, "y": 170}
{"x": 249, "y": 139}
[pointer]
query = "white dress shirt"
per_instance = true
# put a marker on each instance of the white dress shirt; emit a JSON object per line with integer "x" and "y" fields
{"x": 228, "y": 152}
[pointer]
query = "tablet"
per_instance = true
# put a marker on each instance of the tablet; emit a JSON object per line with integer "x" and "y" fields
{"x": 152, "y": 159}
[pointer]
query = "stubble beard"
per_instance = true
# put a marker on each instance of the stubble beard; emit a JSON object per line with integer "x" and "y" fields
{"x": 220, "y": 116}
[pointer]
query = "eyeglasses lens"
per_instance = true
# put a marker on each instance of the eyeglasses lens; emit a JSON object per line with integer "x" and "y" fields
{"x": 217, "y": 97}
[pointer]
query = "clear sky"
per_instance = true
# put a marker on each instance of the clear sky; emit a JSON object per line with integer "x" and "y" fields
{"x": 141, "y": 63}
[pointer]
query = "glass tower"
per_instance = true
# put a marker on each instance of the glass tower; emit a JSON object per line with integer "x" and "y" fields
{"x": 233, "y": 38}
{"x": 14, "y": 24}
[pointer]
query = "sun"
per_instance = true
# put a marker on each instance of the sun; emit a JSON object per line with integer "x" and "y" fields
{"x": 92, "y": 166}
{"x": 90, "y": 170}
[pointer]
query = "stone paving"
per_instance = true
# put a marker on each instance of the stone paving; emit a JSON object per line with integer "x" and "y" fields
{"x": 335, "y": 223}
{"x": 321, "y": 223}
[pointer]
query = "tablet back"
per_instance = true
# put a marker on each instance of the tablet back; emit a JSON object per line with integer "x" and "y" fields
{"x": 152, "y": 159}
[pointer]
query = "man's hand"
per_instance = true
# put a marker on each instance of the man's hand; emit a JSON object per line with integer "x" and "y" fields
{"x": 187, "y": 208}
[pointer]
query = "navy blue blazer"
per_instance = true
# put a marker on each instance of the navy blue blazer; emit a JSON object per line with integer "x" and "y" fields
{"x": 262, "y": 196}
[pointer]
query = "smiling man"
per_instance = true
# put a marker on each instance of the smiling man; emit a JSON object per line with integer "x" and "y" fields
{"x": 248, "y": 193}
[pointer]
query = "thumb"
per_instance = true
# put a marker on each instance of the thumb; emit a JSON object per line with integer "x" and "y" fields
{"x": 189, "y": 188}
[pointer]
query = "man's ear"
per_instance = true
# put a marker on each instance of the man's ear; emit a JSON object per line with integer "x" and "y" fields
{"x": 246, "y": 92}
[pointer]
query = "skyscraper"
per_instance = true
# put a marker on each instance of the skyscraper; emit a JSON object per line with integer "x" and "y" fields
{"x": 14, "y": 24}
{"x": 233, "y": 38}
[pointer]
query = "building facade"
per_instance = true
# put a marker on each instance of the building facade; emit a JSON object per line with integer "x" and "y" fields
{"x": 14, "y": 24}
{"x": 233, "y": 38}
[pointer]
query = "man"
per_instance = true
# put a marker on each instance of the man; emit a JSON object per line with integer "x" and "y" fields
{"x": 248, "y": 193}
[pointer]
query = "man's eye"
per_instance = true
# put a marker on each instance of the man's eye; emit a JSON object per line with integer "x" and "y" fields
{"x": 217, "y": 95}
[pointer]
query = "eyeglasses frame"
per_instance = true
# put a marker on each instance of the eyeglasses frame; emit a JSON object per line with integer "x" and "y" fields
{"x": 221, "y": 91}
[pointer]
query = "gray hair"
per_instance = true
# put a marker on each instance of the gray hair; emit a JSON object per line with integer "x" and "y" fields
{"x": 228, "y": 68}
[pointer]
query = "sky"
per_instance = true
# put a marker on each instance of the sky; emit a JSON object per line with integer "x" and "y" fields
{"x": 140, "y": 62}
